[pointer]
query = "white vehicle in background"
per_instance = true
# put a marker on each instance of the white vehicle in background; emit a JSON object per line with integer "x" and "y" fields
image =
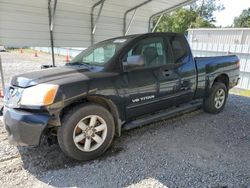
{"x": 2, "y": 49}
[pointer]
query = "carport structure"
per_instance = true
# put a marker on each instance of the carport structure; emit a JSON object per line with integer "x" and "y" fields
{"x": 77, "y": 23}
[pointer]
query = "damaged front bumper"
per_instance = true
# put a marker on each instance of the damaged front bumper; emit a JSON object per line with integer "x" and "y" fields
{"x": 24, "y": 128}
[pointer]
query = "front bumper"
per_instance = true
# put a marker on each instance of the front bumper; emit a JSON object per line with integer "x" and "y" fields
{"x": 24, "y": 128}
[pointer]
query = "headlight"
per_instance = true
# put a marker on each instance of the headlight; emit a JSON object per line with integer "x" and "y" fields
{"x": 39, "y": 95}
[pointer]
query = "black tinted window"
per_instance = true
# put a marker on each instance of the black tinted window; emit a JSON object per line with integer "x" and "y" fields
{"x": 179, "y": 48}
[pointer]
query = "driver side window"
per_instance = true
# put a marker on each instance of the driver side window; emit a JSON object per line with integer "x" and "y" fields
{"x": 151, "y": 49}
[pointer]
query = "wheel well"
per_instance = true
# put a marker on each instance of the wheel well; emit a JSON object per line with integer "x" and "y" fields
{"x": 223, "y": 78}
{"x": 106, "y": 103}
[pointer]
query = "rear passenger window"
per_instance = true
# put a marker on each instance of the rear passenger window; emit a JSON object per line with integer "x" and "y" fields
{"x": 179, "y": 48}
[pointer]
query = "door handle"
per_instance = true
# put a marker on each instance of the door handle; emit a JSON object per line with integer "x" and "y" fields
{"x": 167, "y": 72}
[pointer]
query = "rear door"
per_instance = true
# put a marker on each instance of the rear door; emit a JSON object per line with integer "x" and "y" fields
{"x": 168, "y": 79}
{"x": 184, "y": 67}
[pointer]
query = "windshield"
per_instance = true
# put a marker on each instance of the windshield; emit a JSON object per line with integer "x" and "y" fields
{"x": 100, "y": 53}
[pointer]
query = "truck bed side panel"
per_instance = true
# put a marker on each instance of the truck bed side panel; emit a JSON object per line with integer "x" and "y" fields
{"x": 208, "y": 68}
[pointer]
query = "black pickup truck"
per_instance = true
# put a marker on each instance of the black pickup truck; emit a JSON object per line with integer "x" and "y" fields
{"x": 115, "y": 85}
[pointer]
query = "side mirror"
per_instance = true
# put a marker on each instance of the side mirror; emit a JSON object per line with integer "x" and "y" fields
{"x": 134, "y": 61}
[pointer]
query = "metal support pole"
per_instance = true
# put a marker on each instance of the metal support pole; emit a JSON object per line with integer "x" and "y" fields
{"x": 94, "y": 22}
{"x": 51, "y": 27}
{"x": 157, "y": 23}
{"x": 98, "y": 17}
{"x": 128, "y": 11}
{"x": 130, "y": 22}
{"x": 167, "y": 10}
{"x": 2, "y": 76}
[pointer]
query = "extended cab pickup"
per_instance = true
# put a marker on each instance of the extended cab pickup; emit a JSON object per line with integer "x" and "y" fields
{"x": 116, "y": 84}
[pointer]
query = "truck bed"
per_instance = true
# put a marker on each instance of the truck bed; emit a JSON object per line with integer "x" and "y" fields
{"x": 216, "y": 61}
{"x": 209, "y": 67}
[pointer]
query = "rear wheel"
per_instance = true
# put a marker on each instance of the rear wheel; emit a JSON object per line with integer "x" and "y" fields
{"x": 216, "y": 100}
{"x": 86, "y": 132}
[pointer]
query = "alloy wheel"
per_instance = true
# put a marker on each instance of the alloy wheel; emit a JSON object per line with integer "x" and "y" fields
{"x": 90, "y": 133}
{"x": 219, "y": 98}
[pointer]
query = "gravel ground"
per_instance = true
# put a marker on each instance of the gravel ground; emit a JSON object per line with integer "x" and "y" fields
{"x": 194, "y": 150}
{"x": 15, "y": 63}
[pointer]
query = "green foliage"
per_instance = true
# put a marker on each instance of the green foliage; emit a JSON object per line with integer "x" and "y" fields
{"x": 201, "y": 23}
{"x": 178, "y": 21}
{"x": 243, "y": 20}
{"x": 206, "y": 9}
{"x": 199, "y": 14}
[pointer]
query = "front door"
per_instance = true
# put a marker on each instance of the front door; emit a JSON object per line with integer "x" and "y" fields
{"x": 144, "y": 83}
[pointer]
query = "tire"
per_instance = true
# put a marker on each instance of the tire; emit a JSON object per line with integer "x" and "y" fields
{"x": 75, "y": 137}
{"x": 211, "y": 104}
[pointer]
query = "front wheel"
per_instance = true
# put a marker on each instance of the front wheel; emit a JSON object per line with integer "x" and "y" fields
{"x": 216, "y": 100}
{"x": 86, "y": 132}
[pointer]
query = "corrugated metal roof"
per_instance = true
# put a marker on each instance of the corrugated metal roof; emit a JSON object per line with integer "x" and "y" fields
{"x": 25, "y": 23}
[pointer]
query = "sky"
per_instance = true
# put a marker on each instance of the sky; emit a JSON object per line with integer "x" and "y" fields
{"x": 233, "y": 8}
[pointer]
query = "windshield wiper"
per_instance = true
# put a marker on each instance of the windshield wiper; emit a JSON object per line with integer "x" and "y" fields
{"x": 79, "y": 63}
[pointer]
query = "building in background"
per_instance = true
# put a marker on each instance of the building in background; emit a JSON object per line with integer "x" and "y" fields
{"x": 223, "y": 41}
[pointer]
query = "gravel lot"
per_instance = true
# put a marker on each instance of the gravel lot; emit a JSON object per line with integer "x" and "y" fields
{"x": 194, "y": 150}
{"x": 15, "y": 62}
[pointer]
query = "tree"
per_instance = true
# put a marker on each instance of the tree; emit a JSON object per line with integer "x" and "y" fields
{"x": 178, "y": 21}
{"x": 206, "y": 9}
{"x": 199, "y": 14}
{"x": 243, "y": 20}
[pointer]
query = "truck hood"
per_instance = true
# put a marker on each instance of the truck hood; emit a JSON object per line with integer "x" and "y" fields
{"x": 48, "y": 75}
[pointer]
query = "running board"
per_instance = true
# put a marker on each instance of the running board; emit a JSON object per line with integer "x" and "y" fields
{"x": 163, "y": 115}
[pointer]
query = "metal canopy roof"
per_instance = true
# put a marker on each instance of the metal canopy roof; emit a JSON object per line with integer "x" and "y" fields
{"x": 76, "y": 23}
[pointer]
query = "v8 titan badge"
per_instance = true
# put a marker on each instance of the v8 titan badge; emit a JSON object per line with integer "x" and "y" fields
{"x": 143, "y": 98}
